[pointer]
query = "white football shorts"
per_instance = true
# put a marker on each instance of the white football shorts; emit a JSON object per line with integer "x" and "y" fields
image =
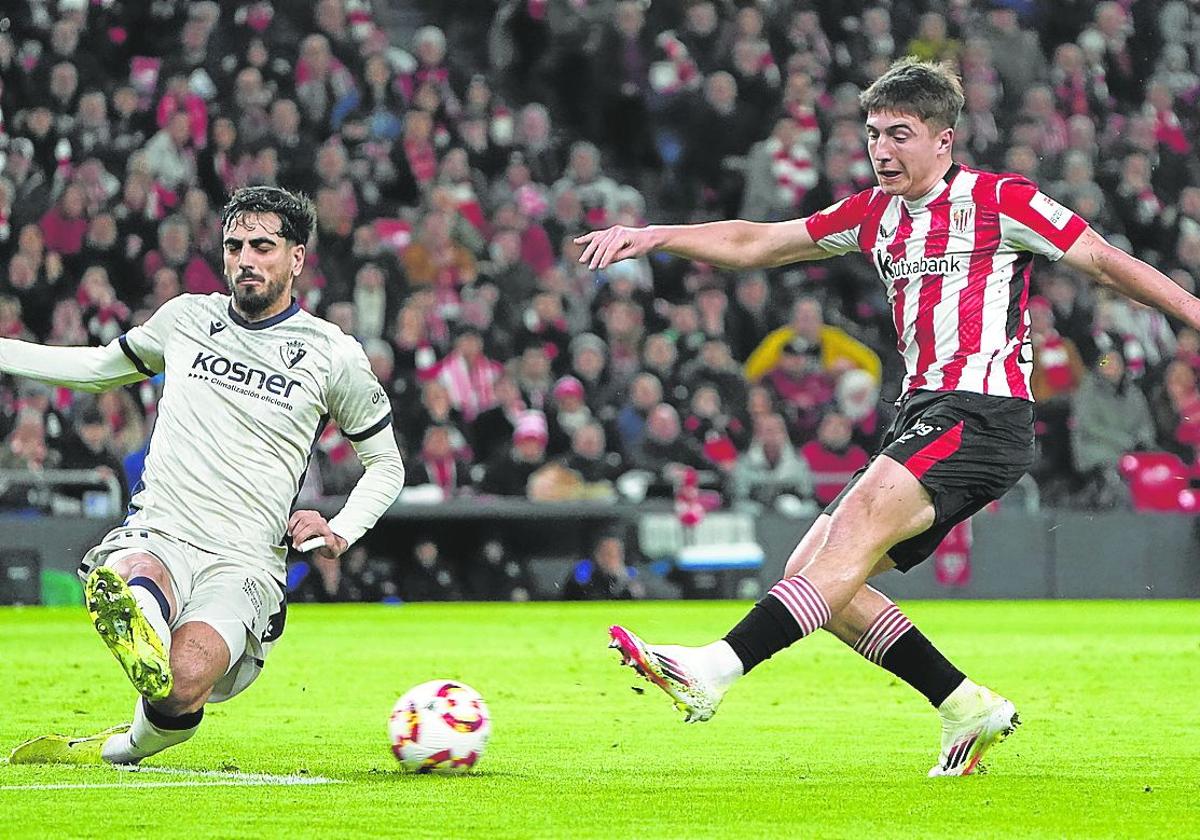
{"x": 241, "y": 601}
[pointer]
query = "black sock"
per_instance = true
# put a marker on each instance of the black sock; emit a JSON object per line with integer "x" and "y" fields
{"x": 915, "y": 660}
{"x": 161, "y": 720}
{"x": 767, "y": 629}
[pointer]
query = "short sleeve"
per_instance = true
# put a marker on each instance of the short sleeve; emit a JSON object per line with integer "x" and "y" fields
{"x": 1033, "y": 221}
{"x": 357, "y": 402}
{"x": 146, "y": 344}
{"x": 836, "y": 228}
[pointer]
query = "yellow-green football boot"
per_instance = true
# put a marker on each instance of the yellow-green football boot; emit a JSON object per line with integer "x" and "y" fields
{"x": 120, "y": 622}
{"x": 63, "y": 749}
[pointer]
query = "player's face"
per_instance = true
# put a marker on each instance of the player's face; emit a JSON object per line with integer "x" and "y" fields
{"x": 260, "y": 264}
{"x": 908, "y": 154}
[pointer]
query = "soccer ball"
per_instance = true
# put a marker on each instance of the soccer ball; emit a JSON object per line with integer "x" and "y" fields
{"x": 440, "y": 726}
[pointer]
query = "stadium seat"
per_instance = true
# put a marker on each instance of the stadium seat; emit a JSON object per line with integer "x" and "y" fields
{"x": 1158, "y": 481}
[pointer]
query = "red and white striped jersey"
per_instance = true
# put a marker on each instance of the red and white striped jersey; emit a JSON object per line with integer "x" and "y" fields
{"x": 956, "y": 265}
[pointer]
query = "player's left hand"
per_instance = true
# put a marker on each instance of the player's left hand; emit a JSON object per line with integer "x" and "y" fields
{"x": 306, "y": 524}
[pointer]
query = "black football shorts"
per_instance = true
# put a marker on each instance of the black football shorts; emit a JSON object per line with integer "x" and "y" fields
{"x": 967, "y": 450}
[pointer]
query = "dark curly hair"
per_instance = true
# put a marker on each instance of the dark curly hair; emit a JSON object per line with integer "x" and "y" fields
{"x": 296, "y": 213}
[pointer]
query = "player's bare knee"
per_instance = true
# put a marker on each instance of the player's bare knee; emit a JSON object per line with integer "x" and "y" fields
{"x": 142, "y": 565}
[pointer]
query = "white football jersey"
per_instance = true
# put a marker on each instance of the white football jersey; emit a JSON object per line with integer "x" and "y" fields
{"x": 242, "y": 405}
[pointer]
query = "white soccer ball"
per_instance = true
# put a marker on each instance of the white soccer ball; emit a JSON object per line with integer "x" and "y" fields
{"x": 440, "y": 726}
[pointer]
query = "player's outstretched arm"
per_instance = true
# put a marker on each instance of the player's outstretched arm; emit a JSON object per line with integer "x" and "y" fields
{"x": 92, "y": 369}
{"x": 732, "y": 244}
{"x": 1112, "y": 267}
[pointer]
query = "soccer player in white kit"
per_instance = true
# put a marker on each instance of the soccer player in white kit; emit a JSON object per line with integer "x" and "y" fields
{"x": 188, "y": 593}
{"x": 953, "y": 246}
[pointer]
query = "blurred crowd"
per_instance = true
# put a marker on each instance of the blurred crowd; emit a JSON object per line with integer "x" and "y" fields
{"x": 451, "y": 170}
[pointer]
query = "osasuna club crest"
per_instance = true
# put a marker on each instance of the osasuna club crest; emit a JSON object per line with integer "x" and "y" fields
{"x": 293, "y": 352}
{"x": 961, "y": 219}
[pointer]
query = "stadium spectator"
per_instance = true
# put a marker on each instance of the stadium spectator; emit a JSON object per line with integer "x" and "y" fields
{"x": 64, "y": 225}
{"x": 169, "y": 155}
{"x": 11, "y": 323}
{"x": 566, "y": 414}
{"x": 126, "y": 424}
{"x": 1014, "y": 52}
{"x": 780, "y": 171}
{"x": 437, "y": 464}
{"x": 66, "y": 324}
{"x": 857, "y": 396}
{"x": 27, "y": 297}
{"x": 26, "y": 448}
{"x": 718, "y": 135}
{"x": 1175, "y": 406}
{"x": 714, "y": 365}
{"x": 603, "y": 576}
{"x": 428, "y": 577}
{"x": 533, "y": 376}
{"x": 589, "y": 364}
{"x": 665, "y": 452}
{"x": 492, "y": 430}
{"x": 508, "y": 474}
{"x": 661, "y": 359}
{"x": 832, "y": 457}
{"x": 721, "y": 433}
{"x": 771, "y": 467}
{"x": 175, "y": 250}
{"x": 105, "y": 317}
{"x": 1111, "y": 417}
{"x": 1058, "y": 371}
{"x": 932, "y": 41}
{"x": 468, "y": 375}
{"x": 800, "y": 386}
{"x": 838, "y": 350}
{"x": 91, "y": 448}
{"x": 645, "y": 392}
{"x": 597, "y": 192}
{"x": 591, "y": 457}
{"x": 433, "y": 408}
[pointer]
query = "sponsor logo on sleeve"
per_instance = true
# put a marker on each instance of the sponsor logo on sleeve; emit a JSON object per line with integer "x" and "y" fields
{"x": 1050, "y": 210}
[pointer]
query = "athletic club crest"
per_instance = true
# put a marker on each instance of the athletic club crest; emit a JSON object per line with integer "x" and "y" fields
{"x": 962, "y": 219}
{"x": 293, "y": 352}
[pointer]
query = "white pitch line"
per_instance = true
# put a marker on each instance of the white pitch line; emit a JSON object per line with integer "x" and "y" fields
{"x": 209, "y": 778}
{"x": 235, "y": 775}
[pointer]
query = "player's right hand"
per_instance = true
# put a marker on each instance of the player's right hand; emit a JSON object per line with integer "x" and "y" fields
{"x": 602, "y": 248}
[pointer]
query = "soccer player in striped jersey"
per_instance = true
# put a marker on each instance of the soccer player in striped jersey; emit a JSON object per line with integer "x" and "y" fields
{"x": 954, "y": 247}
{"x": 188, "y": 592}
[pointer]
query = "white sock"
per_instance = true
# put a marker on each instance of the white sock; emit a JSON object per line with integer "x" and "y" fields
{"x": 150, "y": 608}
{"x": 144, "y": 738}
{"x": 724, "y": 664}
{"x": 961, "y": 700}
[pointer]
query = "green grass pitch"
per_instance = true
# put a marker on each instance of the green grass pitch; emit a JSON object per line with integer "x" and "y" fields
{"x": 816, "y": 743}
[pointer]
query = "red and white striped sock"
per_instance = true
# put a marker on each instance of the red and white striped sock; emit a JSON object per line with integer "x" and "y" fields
{"x": 791, "y": 610}
{"x": 803, "y": 601}
{"x": 893, "y": 643}
{"x": 884, "y": 631}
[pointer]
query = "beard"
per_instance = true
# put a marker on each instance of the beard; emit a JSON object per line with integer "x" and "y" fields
{"x": 254, "y": 301}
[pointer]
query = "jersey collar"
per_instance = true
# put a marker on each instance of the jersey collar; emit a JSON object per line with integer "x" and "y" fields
{"x": 936, "y": 190}
{"x": 268, "y": 322}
